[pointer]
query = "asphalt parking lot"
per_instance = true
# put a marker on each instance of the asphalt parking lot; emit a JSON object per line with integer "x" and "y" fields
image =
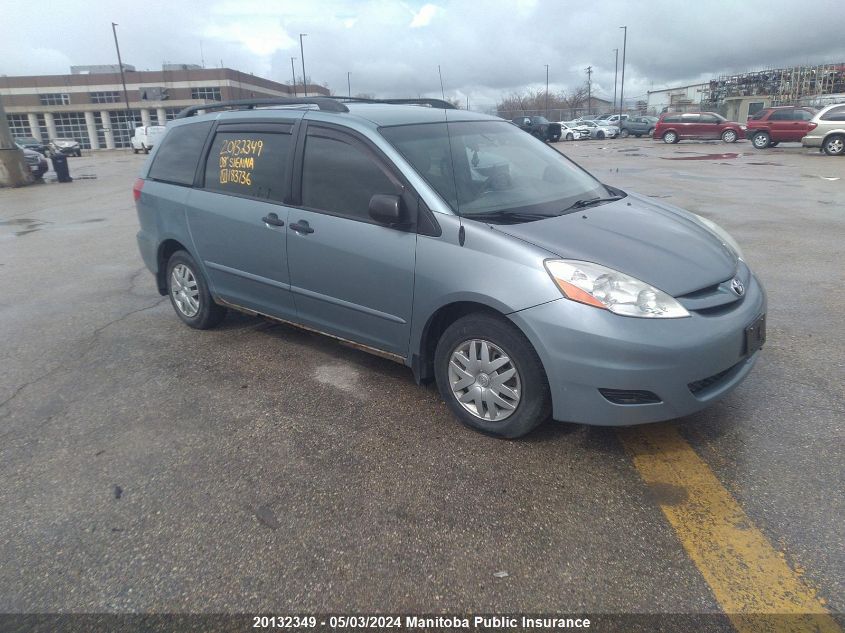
{"x": 256, "y": 467}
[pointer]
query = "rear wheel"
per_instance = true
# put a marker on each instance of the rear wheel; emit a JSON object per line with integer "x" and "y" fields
{"x": 670, "y": 137}
{"x": 600, "y": 136}
{"x": 834, "y": 145}
{"x": 490, "y": 376}
{"x": 761, "y": 140}
{"x": 189, "y": 294}
{"x": 625, "y": 134}
{"x": 729, "y": 136}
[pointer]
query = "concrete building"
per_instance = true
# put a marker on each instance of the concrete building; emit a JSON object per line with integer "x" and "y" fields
{"x": 678, "y": 99}
{"x": 89, "y": 106}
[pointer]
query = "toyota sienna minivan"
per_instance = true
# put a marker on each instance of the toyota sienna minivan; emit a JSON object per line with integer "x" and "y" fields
{"x": 456, "y": 244}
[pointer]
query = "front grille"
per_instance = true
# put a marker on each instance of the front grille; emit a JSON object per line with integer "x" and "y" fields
{"x": 630, "y": 396}
{"x": 698, "y": 386}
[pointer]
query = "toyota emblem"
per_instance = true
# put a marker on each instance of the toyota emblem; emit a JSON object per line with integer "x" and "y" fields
{"x": 737, "y": 287}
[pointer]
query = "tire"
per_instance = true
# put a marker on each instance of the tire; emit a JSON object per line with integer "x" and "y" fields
{"x": 670, "y": 137}
{"x": 600, "y": 136}
{"x": 180, "y": 285}
{"x": 761, "y": 140}
{"x": 651, "y": 132}
{"x": 729, "y": 136}
{"x": 527, "y": 381}
{"x": 624, "y": 134}
{"x": 569, "y": 137}
{"x": 146, "y": 149}
{"x": 834, "y": 145}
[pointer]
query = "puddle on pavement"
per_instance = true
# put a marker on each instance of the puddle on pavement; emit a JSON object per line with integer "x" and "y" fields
{"x": 766, "y": 163}
{"x": 728, "y": 155}
{"x": 24, "y": 226}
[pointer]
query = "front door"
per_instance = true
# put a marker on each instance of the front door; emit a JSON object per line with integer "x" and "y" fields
{"x": 238, "y": 221}
{"x": 351, "y": 276}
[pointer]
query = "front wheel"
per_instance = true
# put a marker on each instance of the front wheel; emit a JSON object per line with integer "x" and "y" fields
{"x": 761, "y": 140}
{"x": 600, "y": 136}
{"x": 729, "y": 136}
{"x": 490, "y": 376}
{"x": 834, "y": 145}
{"x": 189, "y": 294}
{"x": 670, "y": 137}
{"x": 569, "y": 137}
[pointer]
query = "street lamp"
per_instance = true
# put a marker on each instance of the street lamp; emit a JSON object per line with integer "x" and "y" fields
{"x": 122, "y": 78}
{"x": 348, "y": 84}
{"x": 293, "y": 75}
{"x": 547, "y": 89}
{"x": 615, "y": 77}
{"x": 622, "y": 85}
{"x": 302, "y": 53}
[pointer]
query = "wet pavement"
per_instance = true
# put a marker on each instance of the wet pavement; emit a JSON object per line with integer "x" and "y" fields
{"x": 147, "y": 466}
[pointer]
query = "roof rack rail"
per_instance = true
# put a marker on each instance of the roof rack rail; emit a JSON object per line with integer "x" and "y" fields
{"x": 324, "y": 103}
{"x": 434, "y": 103}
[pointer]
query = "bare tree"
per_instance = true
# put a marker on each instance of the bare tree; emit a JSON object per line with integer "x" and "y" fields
{"x": 574, "y": 100}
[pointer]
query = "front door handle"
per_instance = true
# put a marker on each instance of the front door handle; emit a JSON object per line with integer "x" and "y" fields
{"x": 302, "y": 227}
{"x": 273, "y": 219}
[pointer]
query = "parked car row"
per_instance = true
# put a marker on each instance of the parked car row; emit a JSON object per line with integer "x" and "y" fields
{"x": 66, "y": 146}
{"x": 824, "y": 129}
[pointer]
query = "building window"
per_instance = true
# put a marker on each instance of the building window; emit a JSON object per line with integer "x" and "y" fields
{"x": 111, "y": 96}
{"x": 54, "y": 98}
{"x": 211, "y": 94}
{"x": 19, "y": 125}
{"x": 170, "y": 113}
{"x": 123, "y": 126}
{"x": 101, "y": 130}
{"x": 72, "y": 125}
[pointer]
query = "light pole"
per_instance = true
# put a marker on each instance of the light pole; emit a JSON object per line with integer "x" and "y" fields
{"x": 122, "y": 76}
{"x": 615, "y": 77}
{"x": 547, "y": 90}
{"x": 440, "y": 74}
{"x": 622, "y": 85}
{"x": 302, "y": 54}
{"x": 589, "y": 71}
{"x": 349, "y": 84}
{"x": 293, "y": 75}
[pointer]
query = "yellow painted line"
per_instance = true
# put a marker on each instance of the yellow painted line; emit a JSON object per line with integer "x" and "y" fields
{"x": 750, "y": 579}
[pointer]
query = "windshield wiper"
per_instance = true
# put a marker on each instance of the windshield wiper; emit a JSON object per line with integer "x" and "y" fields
{"x": 510, "y": 217}
{"x": 589, "y": 202}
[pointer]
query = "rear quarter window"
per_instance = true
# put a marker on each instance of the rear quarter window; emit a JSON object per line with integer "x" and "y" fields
{"x": 177, "y": 158}
{"x": 834, "y": 114}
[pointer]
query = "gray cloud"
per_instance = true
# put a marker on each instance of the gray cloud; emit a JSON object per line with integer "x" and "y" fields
{"x": 485, "y": 49}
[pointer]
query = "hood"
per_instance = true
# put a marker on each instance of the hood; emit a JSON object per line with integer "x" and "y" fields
{"x": 65, "y": 143}
{"x": 665, "y": 247}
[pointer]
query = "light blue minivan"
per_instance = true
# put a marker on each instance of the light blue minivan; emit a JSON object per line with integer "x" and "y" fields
{"x": 457, "y": 244}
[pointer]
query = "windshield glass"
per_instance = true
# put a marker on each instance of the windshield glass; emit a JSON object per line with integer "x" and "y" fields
{"x": 489, "y": 168}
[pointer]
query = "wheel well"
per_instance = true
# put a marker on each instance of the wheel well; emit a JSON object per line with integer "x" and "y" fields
{"x": 423, "y": 362}
{"x": 165, "y": 250}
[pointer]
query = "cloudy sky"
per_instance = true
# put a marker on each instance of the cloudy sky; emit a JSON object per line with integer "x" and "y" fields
{"x": 485, "y": 48}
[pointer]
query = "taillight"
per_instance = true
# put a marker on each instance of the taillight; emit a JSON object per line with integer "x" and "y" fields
{"x": 136, "y": 188}
{"x": 812, "y": 126}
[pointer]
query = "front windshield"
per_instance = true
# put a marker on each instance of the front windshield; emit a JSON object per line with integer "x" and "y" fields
{"x": 490, "y": 168}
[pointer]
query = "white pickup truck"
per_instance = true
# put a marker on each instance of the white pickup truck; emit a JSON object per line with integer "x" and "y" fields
{"x": 146, "y": 137}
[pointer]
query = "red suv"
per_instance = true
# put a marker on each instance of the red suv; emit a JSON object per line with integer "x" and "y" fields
{"x": 675, "y": 126}
{"x": 770, "y": 126}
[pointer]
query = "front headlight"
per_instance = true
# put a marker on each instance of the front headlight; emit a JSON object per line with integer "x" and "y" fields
{"x": 608, "y": 289}
{"x": 723, "y": 235}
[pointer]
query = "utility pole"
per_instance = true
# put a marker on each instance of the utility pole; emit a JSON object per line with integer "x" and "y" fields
{"x": 622, "y": 86}
{"x": 589, "y": 70}
{"x": 442, "y": 93}
{"x": 615, "y": 77}
{"x": 293, "y": 76}
{"x": 348, "y": 84}
{"x": 122, "y": 78}
{"x": 14, "y": 172}
{"x": 302, "y": 53}
{"x": 547, "y": 90}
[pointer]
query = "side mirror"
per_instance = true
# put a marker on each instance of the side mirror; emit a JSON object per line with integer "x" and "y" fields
{"x": 387, "y": 209}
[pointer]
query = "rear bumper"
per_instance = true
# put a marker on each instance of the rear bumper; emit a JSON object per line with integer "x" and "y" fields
{"x": 584, "y": 349}
{"x": 812, "y": 141}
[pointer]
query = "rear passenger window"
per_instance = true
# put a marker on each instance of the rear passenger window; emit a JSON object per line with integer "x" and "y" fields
{"x": 672, "y": 119}
{"x": 248, "y": 164}
{"x": 340, "y": 178}
{"x": 835, "y": 114}
{"x": 177, "y": 158}
{"x": 782, "y": 115}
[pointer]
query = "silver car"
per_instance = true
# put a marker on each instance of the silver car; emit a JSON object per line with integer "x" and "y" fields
{"x": 457, "y": 245}
{"x": 828, "y": 130}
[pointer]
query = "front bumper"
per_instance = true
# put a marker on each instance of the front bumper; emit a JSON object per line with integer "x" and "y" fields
{"x": 584, "y": 349}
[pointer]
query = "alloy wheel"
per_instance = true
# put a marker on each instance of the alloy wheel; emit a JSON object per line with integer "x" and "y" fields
{"x": 484, "y": 380}
{"x": 184, "y": 290}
